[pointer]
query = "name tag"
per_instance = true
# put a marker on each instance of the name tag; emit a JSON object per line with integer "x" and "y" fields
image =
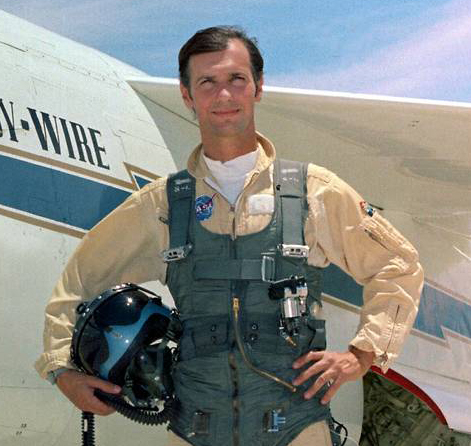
{"x": 261, "y": 204}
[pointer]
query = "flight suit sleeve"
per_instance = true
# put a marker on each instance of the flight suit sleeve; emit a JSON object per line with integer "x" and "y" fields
{"x": 124, "y": 247}
{"x": 343, "y": 229}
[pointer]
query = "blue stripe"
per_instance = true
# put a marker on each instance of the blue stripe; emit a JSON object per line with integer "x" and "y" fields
{"x": 81, "y": 203}
{"x": 141, "y": 182}
{"x": 342, "y": 286}
{"x": 56, "y": 195}
{"x": 437, "y": 309}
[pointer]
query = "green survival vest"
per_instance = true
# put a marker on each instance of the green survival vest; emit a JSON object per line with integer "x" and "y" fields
{"x": 231, "y": 326}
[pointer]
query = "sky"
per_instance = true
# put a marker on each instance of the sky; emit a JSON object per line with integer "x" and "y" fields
{"x": 406, "y": 48}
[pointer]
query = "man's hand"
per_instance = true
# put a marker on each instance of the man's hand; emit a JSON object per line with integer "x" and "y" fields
{"x": 79, "y": 388}
{"x": 337, "y": 369}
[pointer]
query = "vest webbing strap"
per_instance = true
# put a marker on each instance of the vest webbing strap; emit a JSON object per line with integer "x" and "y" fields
{"x": 180, "y": 194}
{"x": 290, "y": 193}
{"x": 236, "y": 269}
{"x": 289, "y": 180}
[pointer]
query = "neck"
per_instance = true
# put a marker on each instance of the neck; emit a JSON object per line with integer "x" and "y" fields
{"x": 226, "y": 148}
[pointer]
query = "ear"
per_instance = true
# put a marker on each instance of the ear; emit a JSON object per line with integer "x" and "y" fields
{"x": 186, "y": 96}
{"x": 259, "y": 89}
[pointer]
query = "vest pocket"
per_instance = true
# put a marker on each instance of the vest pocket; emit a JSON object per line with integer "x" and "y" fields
{"x": 318, "y": 338}
{"x": 210, "y": 338}
{"x": 193, "y": 424}
{"x": 268, "y": 349}
{"x": 201, "y": 422}
{"x": 204, "y": 338}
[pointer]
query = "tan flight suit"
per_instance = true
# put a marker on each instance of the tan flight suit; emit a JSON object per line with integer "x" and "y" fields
{"x": 126, "y": 247}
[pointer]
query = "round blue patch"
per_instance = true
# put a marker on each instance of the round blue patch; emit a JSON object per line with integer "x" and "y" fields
{"x": 204, "y": 207}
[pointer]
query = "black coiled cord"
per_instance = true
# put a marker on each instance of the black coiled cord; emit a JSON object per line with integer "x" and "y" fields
{"x": 336, "y": 429}
{"x": 148, "y": 417}
{"x": 141, "y": 416}
{"x": 88, "y": 429}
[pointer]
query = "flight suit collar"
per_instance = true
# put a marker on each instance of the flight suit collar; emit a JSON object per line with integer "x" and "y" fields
{"x": 197, "y": 166}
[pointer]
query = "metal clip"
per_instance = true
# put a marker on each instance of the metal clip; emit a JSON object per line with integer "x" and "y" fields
{"x": 273, "y": 420}
{"x": 298, "y": 251}
{"x": 268, "y": 263}
{"x": 173, "y": 254}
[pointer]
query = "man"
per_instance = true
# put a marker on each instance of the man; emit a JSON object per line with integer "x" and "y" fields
{"x": 238, "y": 374}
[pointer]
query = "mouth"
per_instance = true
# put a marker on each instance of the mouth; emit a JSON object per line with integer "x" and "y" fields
{"x": 226, "y": 113}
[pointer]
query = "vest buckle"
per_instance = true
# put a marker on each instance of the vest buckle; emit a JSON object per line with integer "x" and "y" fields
{"x": 273, "y": 420}
{"x": 178, "y": 253}
{"x": 268, "y": 269}
{"x": 297, "y": 251}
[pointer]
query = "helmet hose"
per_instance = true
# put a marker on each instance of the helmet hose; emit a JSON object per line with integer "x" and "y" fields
{"x": 88, "y": 429}
{"x": 150, "y": 418}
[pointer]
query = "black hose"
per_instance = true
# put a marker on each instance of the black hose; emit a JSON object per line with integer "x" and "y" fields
{"x": 142, "y": 416}
{"x": 88, "y": 429}
{"x": 336, "y": 429}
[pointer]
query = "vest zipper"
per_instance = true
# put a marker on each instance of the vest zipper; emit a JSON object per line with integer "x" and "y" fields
{"x": 235, "y": 399}
{"x": 232, "y": 359}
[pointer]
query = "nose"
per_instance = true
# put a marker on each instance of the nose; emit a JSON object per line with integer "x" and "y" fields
{"x": 224, "y": 92}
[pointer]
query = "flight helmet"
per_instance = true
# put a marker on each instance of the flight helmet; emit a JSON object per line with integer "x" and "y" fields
{"x": 121, "y": 336}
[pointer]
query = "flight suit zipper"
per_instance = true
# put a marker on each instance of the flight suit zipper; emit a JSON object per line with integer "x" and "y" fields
{"x": 232, "y": 211}
{"x": 384, "y": 356}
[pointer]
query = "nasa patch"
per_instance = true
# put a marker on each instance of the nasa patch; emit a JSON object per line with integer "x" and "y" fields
{"x": 204, "y": 207}
{"x": 367, "y": 208}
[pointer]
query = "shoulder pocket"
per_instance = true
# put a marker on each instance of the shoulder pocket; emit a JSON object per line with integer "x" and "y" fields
{"x": 383, "y": 233}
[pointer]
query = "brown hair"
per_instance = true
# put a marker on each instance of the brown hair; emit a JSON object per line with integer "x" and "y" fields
{"x": 217, "y": 38}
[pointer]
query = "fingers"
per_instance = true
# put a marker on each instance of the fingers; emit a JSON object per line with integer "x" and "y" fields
{"x": 79, "y": 388}
{"x": 314, "y": 369}
{"x": 106, "y": 386}
{"x": 86, "y": 400}
{"x": 326, "y": 378}
{"x": 308, "y": 357}
{"x": 332, "y": 391}
{"x": 91, "y": 403}
{"x": 319, "y": 366}
{"x": 334, "y": 369}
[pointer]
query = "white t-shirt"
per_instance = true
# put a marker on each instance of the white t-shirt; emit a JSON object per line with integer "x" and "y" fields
{"x": 232, "y": 174}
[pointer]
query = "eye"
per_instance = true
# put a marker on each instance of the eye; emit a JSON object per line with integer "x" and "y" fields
{"x": 238, "y": 79}
{"x": 206, "y": 82}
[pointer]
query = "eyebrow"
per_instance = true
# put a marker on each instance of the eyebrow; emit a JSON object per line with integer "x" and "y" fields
{"x": 211, "y": 77}
{"x": 238, "y": 73}
{"x": 204, "y": 77}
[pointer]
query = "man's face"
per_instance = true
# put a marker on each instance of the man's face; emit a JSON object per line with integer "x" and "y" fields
{"x": 222, "y": 91}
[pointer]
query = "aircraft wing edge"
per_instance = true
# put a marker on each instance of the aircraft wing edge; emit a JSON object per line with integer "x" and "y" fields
{"x": 138, "y": 82}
